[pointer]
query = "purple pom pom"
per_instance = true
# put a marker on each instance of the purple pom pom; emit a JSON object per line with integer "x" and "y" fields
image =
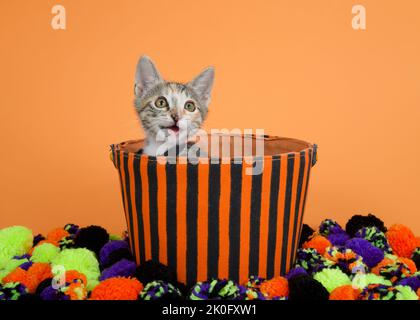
{"x": 338, "y": 239}
{"x": 49, "y": 293}
{"x": 370, "y": 254}
{"x": 108, "y": 248}
{"x": 413, "y": 282}
{"x": 297, "y": 271}
{"x": 26, "y": 265}
{"x": 123, "y": 268}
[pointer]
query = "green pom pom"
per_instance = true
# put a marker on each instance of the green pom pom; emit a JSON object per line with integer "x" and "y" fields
{"x": 10, "y": 265}
{"x": 45, "y": 252}
{"x": 14, "y": 241}
{"x": 405, "y": 293}
{"x": 82, "y": 260}
{"x": 361, "y": 280}
{"x": 332, "y": 278}
{"x": 114, "y": 237}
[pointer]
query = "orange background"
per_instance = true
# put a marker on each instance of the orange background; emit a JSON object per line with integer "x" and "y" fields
{"x": 294, "y": 68}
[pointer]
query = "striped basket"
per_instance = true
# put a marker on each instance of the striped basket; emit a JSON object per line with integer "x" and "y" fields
{"x": 213, "y": 220}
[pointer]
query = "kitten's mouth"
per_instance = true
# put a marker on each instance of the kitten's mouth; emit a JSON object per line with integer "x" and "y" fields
{"x": 174, "y": 128}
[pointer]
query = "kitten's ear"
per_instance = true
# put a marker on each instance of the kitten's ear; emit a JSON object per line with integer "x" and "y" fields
{"x": 147, "y": 75}
{"x": 203, "y": 84}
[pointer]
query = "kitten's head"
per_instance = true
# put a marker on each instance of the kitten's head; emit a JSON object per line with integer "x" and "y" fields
{"x": 170, "y": 106}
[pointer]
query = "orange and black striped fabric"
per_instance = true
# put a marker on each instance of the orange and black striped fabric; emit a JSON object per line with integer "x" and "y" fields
{"x": 212, "y": 220}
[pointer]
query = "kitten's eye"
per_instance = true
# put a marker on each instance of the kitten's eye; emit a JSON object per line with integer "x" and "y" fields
{"x": 189, "y": 106}
{"x": 161, "y": 103}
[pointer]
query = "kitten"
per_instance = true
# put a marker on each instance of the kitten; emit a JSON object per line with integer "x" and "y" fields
{"x": 169, "y": 111}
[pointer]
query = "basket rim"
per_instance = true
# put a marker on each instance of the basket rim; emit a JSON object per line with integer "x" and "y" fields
{"x": 180, "y": 159}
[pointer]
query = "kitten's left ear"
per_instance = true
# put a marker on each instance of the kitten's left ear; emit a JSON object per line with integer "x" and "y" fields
{"x": 147, "y": 75}
{"x": 203, "y": 84}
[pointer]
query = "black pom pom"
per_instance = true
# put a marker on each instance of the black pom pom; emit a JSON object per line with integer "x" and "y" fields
{"x": 304, "y": 288}
{"x": 116, "y": 256}
{"x": 307, "y": 231}
{"x": 37, "y": 239}
{"x": 151, "y": 271}
{"x": 183, "y": 288}
{"x": 357, "y": 222}
{"x": 30, "y": 297}
{"x": 416, "y": 257}
{"x": 42, "y": 285}
{"x": 92, "y": 238}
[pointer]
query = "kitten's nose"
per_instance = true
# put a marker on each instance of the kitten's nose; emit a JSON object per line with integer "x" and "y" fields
{"x": 175, "y": 117}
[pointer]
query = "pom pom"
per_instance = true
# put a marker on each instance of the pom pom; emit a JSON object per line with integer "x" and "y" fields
{"x": 311, "y": 260}
{"x": 382, "y": 292}
{"x": 297, "y": 271}
{"x": 416, "y": 258}
{"x": 82, "y": 260}
{"x": 412, "y": 282}
{"x": 123, "y": 268}
{"x": 71, "y": 228}
{"x": 117, "y": 289}
{"x": 13, "y": 291}
{"x": 306, "y": 233}
{"x": 254, "y": 282}
{"x": 92, "y": 238}
{"x": 346, "y": 260}
{"x": 370, "y": 254}
{"x": 402, "y": 240}
{"x": 305, "y": 288}
{"x": 37, "y": 239}
{"x": 338, "y": 239}
{"x": 362, "y": 281}
{"x": 57, "y": 234}
{"x": 215, "y": 290}
{"x": 376, "y": 237}
{"x": 21, "y": 276}
{"x": 332, "y": 278}
{"x": 319, "y": 243}
{"x": 392, "y": 269}
{"x": 50, "y": 294}
{"x": 275, "y": 288}
{"x": 113, "y": 252}
{"x": 346, "y": 292}
{"x": 42, "y": 285}
{"x": 75, "y": 276}
{"x": 67, "y": 242}
{"x": 358, "y": 222}
{"x": 329, "y": 226}
{"x": 45, "y": 252}
{"x": 14, "y": 241}
{"x": 151, "y": 271}
{"x": 39, "y": 272}
{"x": 160, "y": 290}
{"x": 76, "y": 291}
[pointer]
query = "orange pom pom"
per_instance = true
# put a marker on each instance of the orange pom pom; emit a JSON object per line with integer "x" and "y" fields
{"x": 55, "y": 243}
{"x": 380, "y": 265}
{"x": 418, "y": 293}
{"x": 317, "y": 242}
{"x": 410, "y": 264}
{"x": 402, "y": 240}
{"x": 346, "y": 292}
{"x": 417, "y": 241}
{"x": 276, "y": 287}
{"x": 117, "y": 289}
{"x": 39, "y": 272}
{"x": 20, "y": 275}
{"x": 76, "y": 291}
{"x": 72, "y": 275}
{"x": 57, "y": 234}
